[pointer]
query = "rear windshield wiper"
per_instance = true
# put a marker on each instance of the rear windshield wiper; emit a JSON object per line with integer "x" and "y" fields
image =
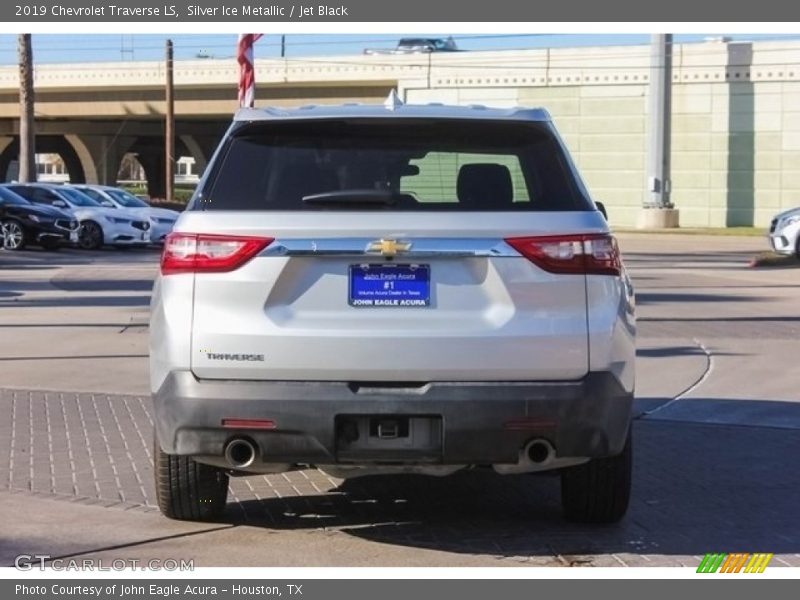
{"x": 366, "y": 196}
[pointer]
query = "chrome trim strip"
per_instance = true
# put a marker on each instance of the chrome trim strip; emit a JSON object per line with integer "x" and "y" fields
{"x": 62, "y": 227}
{"x": 420, "y": 247}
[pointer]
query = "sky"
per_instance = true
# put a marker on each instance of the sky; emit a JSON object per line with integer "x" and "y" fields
{"x": 52, "y": 48}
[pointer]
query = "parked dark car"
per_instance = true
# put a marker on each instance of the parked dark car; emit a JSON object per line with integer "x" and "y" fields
{"x": 25, "y": 223}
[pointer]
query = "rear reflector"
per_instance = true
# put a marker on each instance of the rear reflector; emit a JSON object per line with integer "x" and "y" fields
{"x": 590, "y": 254}
{"x": 529, "y": 423}
{"x": 201, "y": 252}
{"x": 248, "y": 424}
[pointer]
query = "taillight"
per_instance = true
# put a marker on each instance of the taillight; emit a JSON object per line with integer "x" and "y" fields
{"x": 201, "y": 252}
{"x": 592, "y": 254}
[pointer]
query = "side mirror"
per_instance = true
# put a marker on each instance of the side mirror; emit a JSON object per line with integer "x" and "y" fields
{"x": 107, "y": 203}
{"x": 602, "y": 208}
{"x": 59, "y": 203}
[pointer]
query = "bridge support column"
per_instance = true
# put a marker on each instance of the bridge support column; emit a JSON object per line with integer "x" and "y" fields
{"x": 100, "y": 155}
{"x": 155, "y": 170}
{"x": 5, "y": 157}
{"x": 201, "y": 147}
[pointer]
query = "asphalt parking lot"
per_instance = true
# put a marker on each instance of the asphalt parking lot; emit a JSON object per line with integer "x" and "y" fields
{"x": 716, "y": 435}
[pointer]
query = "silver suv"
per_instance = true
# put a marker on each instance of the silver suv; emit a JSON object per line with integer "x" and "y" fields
{"x": 392, "y": 289}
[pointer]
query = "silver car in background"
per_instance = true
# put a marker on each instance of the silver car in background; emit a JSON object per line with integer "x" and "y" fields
{"x": 784, "y": 233}
{"x": 392, "y": 289}
{"x": 162, "y": 220}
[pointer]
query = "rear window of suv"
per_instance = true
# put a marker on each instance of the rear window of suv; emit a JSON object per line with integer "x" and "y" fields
{"x": 394, "y": 164}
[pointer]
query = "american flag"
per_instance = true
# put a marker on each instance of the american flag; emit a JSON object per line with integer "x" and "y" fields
{"x": 247, "y": 73}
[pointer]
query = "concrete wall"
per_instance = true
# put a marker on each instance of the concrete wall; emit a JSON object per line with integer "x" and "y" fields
{"x": 736, "y": 123}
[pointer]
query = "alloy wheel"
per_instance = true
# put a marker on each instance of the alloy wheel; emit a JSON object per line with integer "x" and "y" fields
{"x": 90, "y": 236}
{"x": 13, "y": 235}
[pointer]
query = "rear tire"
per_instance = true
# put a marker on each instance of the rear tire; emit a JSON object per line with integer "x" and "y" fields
{"x": 188, "y": 490}
{"x": 598, "y": 491}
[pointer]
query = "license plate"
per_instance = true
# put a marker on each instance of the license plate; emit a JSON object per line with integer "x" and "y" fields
{"x": 73, "y": 237}
{"x": 146, "y": 236}
{"x": 380, "y": 285}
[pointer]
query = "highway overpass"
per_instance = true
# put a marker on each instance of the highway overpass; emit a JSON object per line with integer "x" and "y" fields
{"x": 736, "y": 113}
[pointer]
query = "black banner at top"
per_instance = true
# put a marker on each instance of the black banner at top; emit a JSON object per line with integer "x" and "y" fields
{"x": 443, "y": 11}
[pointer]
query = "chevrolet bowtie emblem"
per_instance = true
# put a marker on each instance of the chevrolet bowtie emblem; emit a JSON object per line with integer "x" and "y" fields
{"x": 388, "y": 247}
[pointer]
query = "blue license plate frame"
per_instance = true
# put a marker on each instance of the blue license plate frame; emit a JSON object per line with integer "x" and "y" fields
{"x": 389, "y": 285}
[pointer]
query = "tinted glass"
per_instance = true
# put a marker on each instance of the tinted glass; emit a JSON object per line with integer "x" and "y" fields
{"x": 8, "y": 197}
{"x": 93, "y": 194}
{"x": 35, "y": 194}
{"x": 28, "y": 193}
{"x": 126, "y": 199}
{"x": 77, "y": 198}
{"x": 422, "y": 165}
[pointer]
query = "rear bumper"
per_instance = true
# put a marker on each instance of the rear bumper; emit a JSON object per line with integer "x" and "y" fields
{"x": 481, "y": 423}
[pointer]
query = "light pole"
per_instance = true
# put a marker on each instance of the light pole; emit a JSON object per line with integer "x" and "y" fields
{"x": 169, "y": 128}
{"x": 658, "y": 210}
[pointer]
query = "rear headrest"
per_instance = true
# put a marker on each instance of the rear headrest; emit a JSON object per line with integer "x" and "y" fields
{"x": 484, "y": 184}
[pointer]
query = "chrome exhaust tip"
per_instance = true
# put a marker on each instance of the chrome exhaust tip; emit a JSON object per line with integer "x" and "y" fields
{"x": 240, "y": 453}
{"x": 540, "y": 452}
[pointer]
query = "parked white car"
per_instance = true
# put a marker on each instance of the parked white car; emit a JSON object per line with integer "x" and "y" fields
{"x": 162, "y": 220}
{"x": 99, "y": 225}
{"x": 784, "y": 232}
